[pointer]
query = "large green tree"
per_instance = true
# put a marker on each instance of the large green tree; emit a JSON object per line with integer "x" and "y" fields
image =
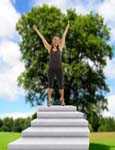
{"x": 84, "y": 57}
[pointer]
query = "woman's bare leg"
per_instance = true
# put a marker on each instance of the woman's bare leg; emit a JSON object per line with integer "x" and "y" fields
{"x": 61, "y": 91}
{"x": 50, "y": 90}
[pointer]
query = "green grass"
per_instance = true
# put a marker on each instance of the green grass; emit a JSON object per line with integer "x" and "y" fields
{"x": 102, "y": 141}
{"x": 98, "y": 141}
{"x": 6, "y": 137}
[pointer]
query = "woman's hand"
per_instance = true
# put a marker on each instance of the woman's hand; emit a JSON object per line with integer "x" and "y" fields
{"x": 34, "y": 27}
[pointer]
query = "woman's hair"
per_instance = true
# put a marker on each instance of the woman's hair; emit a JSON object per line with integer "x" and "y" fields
{"x": 55, "y": 37}
{"x": 52, "y": 42}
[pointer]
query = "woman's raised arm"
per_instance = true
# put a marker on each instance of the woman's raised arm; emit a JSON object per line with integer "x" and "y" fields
{"x": 46, "y": 44}
{"x": 62, "y": 43}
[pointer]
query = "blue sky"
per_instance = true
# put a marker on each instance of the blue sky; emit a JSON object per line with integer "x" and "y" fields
{"x": 12, "y": 100}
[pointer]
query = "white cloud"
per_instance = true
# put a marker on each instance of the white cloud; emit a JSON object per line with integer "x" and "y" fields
{"x": 107, "y": 10}
{"x": 111, "y": 107}
{"x": 64, "y": 4}
{"x": 109, "y": 69}
{"x": 8, "y": 18}
{"x": 17, "y": 114}
{"x": 11, "y": 67}
{"x": 9, "y": 52}
{"x": 58, "y": 3}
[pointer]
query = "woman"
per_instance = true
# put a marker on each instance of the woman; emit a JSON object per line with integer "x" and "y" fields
{"x": 55, "y": 66}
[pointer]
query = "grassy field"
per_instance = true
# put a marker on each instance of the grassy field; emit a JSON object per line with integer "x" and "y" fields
{"x": 102, "y": 141}
{"x": 98, "y": 141}
{"x": 6, "y": 137}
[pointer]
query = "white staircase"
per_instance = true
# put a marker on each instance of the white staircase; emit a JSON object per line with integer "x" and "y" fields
{"x": 58, "y": 128}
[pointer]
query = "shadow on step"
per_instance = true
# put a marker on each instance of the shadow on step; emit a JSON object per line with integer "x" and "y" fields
{"x": 94, "y": 146}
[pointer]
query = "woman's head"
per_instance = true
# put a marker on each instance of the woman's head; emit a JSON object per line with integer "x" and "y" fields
{"x": 56, "y": 41}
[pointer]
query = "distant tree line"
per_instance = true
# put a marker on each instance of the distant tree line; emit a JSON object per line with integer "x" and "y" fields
{"x": 107, "y": 124}
{"x": 103, "y": 124}
{"x": 9, "y": 124}
{"x": 19, "y": 124}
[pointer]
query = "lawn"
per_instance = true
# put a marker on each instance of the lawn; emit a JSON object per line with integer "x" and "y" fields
{"x": 102, "y": 141}
{"x": 99, "y": 141}
{"x": 6, "y": 137}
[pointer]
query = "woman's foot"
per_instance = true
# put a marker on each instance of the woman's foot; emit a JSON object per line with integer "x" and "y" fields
{"x": 62, "y": 101}
{"x": 49, "y": 102}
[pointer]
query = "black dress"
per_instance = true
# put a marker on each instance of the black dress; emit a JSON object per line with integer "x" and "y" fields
{"x": 55, "y": 69}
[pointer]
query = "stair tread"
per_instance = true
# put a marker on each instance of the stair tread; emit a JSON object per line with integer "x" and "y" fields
{"x": 59, "y": 122}
{"x": 57, "y": 129}
{"x": 60, "y": 114}
{"x": 57, "y": 108}
{"x": 56, "y": 132}
{"x": 51, "y": 141}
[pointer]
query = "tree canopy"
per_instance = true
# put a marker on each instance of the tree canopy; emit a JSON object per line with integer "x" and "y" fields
{"x": 84, "y": 57}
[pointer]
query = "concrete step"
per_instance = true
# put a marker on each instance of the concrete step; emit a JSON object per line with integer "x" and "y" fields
{"x": 56, "y": 108}
{"x": 50, "y": 144}
{"x": 56, "y": 132}
{"x": 59, "y": 122}
{"x": 60, "y": 114}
